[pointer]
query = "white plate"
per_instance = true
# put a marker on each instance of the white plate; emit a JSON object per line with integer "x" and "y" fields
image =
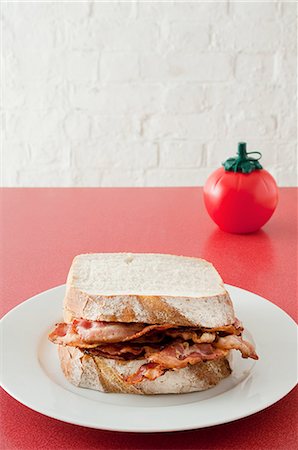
{"x": 31, "y": 373}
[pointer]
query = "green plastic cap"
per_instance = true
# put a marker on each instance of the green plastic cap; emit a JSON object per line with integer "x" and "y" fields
{"x": 242, "y": 162}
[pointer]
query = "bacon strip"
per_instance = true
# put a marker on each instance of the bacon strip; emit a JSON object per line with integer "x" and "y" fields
{"x": 133, "y": 340}
{"x": 194, "y": 336}
{"x": 180, "y": 354}
{"x": 235, "y": 328}
{"x": 117, "y": 351}
{"x": 175, "y": 356}
{"x": 236, "y": 342}
{"x": 87, "y": 334}
{"x": 151, "y": 371}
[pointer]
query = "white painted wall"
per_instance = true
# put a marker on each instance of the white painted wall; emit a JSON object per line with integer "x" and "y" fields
{"x": 145, "y": 93}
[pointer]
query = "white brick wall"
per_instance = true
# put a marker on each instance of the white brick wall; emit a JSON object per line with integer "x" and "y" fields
{"x": 145, "y": 93}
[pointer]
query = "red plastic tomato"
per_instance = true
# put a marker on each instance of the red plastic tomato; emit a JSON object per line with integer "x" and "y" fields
{"x": 240, "y": 202}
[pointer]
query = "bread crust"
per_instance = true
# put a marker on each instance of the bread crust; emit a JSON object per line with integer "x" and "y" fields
{"x": 209, "y": 312}
{"x": 105, "y": 375}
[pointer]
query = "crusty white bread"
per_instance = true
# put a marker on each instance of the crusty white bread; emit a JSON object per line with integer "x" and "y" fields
{"x": 148, "y": 288}
{"x": 105, "y": 375}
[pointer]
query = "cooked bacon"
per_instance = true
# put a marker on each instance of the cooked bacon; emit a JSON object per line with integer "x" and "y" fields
{"x": 124, "y": 351}
{"x": 97, "y": 332}
{"x": 151, "y": 371}
{"x": 175, "y": 356}
{"x": 87, "y": 334}
{"x": 180, "y": 354}
{"x": 62, "y": 329}
{"x": 117, "y": 351}
{"x": 65, "y": 334}
{"x": 150, "y": 338}
{"x": 164, "y": 347}
{"x": 236, "y": 342}
{"x": 92, "y": 334}
{"x": 194, "y": 336}
{"x": 235, "y": 328}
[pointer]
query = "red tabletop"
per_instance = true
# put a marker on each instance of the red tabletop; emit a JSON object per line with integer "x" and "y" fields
{"x": 43, "y": 229}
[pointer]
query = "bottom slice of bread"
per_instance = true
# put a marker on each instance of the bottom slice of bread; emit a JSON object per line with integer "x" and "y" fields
{"x": 106, "y": 375}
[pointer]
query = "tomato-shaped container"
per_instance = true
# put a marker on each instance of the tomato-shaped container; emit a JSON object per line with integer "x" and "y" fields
{"x": 241, "y": 196}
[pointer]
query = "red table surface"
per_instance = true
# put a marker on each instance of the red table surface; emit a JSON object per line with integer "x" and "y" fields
{"x": 43, "y": 229}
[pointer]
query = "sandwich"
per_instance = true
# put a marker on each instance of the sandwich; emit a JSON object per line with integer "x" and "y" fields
{"x": 146, "y": 324}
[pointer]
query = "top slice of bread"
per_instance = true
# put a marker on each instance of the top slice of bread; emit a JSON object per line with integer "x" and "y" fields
{"x": 149, "y": 288}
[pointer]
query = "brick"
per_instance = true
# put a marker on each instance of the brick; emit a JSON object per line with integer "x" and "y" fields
{"x": 33, "y": 48}
{"x": 77, "y": 125}
{"x": 208, "y": 67}
{"x": 15, "y": 155}
{"x": 286, "y": 176}
{"x": 36, "y": 126}
{"x": 185, "y": 98}
{"x": 119, "y": 67}
{"x": 222, "y": 35}
{"x": 140, "y": 35}
{"x": 41, "y": 67}
{"x": 256, "y": 11}
{"x": 10, "y": 62}
{"x": 47, "y": 177}
{"x": 288, "y": 39}
{"x": 286, "y": 167}
{"x": 248, "y": 125}
{"x": 87, "y": 178}
{"x": 79, "y": 35}
{"x": 113, "y": 127}
{"x": 104, "y": 155}
{"x": 201, "y": 11}
{"x": 113, "y": 10}
{"x": 93, "y": 155}
{"x": 45, "y": 94}
{"x": 289, "y": 10}
{"x": 255, "y": 68}
{"x": 229, "y": 97}
{"x": 8, "y": 35}
{"x": 197, "y": 127}
{"x": 176, "y": 177}
{"x": 154, "y": 67}
{"x": 257, "y": 36}
{"x": 12, "y": 96}
{"x": 240, "y": 97}
{"x": 182, "y": 154}
{"x": 79, "y": 66}
{"x": 288, "y": 125}
{"x": 30, "y": 12}
{"x": 118, "y": 99}
{"x": 53, "y": 153}
{"x": 286, "y": 68}
{"x": 73, "y": 11}
{"x": 9, "y": 122}
{"x": 141, "y": 155}
{"x": 118, "y": 178}
{"x": 188, "y": 36}
{"x": 9, "y": 178}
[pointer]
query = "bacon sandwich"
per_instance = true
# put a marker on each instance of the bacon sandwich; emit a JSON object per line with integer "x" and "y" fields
{"x": 147, "y": 324}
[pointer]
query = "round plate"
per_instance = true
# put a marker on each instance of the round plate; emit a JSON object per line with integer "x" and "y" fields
{"x": 32, "y": 375}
